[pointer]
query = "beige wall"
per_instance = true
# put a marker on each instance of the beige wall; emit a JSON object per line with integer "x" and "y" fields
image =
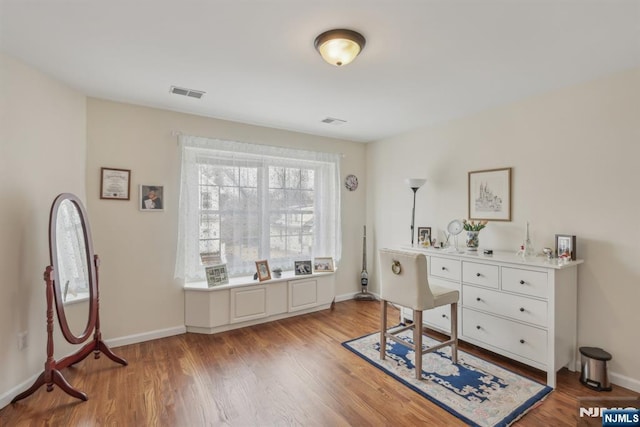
{"x": 137, "y": 249}
{"x": 42, "y": 154}
{"x": 574, "y": 154}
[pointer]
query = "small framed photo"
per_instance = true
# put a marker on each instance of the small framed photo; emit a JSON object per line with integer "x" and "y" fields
{"x": 566, "y": 246}
{"x": 424, "y": 236}
{"x": 217, "y": 275}
{"x": 490, "y": 195}
{"x": 263, "y": 270}
{"x": 151, "y": 198}
{"x": 302, "y": 267}
{"x": 323, "y": 264}
{"x": 115, "y": 184}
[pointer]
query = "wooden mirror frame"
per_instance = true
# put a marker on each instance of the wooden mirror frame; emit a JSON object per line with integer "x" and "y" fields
{"x": 54, "y": 259}
{"x": 52, "y": 374}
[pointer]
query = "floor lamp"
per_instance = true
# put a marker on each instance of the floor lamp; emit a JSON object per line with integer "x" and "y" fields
{"x": 414, "y": 184}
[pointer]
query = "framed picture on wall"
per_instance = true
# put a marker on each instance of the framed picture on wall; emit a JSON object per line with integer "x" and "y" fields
{"x": 489, "y": 195}
{"x": 115, "y": 184}
{"x": 151, "y": 198}
{"x": 566, "y": 246}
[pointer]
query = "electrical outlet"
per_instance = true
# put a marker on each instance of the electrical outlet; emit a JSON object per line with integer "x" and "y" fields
{"x": 22, "y": 340}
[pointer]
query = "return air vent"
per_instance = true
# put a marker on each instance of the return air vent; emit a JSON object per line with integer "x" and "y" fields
{"x": 187, "y": 92}
{"x": 333, "y": 121}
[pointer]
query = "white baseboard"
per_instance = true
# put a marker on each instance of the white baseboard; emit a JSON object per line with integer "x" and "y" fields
{"x": 346, "y": 297}
{"x": 146, "y": 336}
{"x": 626, "y": 382}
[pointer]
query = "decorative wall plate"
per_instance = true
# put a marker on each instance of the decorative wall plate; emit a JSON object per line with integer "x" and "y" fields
{"x": 351, "y": 182}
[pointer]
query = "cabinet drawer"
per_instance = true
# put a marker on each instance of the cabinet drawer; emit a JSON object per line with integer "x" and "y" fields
{"x": 516, "y": 307}
{"x": 522, "y": 340}
{"x": 440, "y": 317}
{"x": 526, "y": 282}
{"x": 480, "y": 274}
{"x": 445, "y": 268}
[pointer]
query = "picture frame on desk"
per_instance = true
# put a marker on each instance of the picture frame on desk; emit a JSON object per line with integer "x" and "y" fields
{"x": 424, "y": 236}
{"x": 302, "y": 268}
{"x": 263, "y": 270}
{"x": 217, "y": 275}
{"x": 489, "y": 194}
{"x": 323, "y": 264}
{"x": 566, "y": 246}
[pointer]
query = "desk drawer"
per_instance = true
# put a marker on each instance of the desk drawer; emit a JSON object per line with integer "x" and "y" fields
{"x": 439, "y": 317}
{"x": 516, "y": 307}
{"x": 480, "y": 274}
{"x": 525, "y": 341}
{"x": 526, "y": 282}
{"x": 445, "y": 268}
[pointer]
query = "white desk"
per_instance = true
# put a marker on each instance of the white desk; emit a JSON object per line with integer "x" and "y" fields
{"x": 524, "y": 309}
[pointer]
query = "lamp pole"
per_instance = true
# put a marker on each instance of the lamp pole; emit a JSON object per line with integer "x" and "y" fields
{"x": 413, "y": 212}
{"x": 414, "y": 184}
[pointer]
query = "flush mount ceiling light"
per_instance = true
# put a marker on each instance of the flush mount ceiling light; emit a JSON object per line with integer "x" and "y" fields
{"x": 339, "y": 47}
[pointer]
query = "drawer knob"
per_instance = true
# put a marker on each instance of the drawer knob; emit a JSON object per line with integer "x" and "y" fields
{"x": 444, "y": 268}
{"x": 478, "y": 327}
{"x": 444, "y": 316}
{"x": 478, "y": 299}
{"x": 521, "y": 341}
{"x": 521, "y": 309}
{"x": 522, "y": 282}
{"x": 478, "y": 274}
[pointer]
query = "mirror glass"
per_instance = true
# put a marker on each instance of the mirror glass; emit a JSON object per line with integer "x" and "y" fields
{"x": 73, "y": 271}
{"x": 74, "y": 275}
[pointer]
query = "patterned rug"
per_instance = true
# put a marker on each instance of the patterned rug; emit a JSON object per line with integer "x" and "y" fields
{"x": 474, "y": 390}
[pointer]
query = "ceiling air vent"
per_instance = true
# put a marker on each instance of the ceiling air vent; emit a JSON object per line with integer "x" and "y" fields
{"x": 333, "y": 121}
{"x": 187, "y": 92}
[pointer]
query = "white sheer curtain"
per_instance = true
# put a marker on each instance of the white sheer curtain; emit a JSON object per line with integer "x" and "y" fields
{"x": 258, "y": 192}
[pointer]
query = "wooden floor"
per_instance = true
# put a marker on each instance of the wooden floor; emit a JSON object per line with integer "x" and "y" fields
{"x": 288, "y": 372}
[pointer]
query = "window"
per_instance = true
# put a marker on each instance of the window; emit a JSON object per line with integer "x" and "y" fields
{"x": 244, "y": 202}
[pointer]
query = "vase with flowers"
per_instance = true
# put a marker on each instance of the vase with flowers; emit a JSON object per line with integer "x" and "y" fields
{"x": 473, "y": 230}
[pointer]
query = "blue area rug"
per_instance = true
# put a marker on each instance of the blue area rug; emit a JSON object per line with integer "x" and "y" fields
{"x": 478, "y": 392}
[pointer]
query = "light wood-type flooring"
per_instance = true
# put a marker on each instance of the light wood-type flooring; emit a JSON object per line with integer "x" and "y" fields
{"x": 291, "y": 372}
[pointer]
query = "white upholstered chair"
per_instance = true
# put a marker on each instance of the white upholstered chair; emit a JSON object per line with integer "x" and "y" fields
{"x": 403, "y": 281}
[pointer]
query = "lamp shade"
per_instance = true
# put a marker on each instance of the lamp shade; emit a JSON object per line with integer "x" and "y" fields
{"x": 339, "y": 47}
{"x": 415, "y": 182}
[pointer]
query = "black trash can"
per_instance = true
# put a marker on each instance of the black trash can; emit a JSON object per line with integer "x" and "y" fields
{"x": 595, "y": 375}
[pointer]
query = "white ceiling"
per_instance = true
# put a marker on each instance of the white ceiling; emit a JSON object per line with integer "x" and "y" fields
{"x": 426, "y": 61}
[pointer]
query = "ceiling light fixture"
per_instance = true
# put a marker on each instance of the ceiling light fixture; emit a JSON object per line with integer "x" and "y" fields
{"x": 339, "y": 47}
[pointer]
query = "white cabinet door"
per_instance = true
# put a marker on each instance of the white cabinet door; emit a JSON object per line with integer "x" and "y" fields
{"x": 303, "y": 294}
{"x": 248, "y": 303}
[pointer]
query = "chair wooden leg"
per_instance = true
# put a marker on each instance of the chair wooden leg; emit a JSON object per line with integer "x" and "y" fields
{"x": 454, "y": 332}
{"x": 417, "y": 342}
{"x": 383, "y": 328}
